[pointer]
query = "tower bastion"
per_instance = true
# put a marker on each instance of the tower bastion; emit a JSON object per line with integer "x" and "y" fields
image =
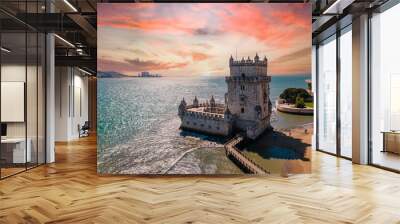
{"x": 247, "y": 107}
{"x": 209, "y": 118}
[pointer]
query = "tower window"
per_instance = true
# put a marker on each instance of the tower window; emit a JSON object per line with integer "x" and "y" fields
{"x": 242, "y": 110}
{"x": 243, "y": 75}
{"x": 242, "y": 87}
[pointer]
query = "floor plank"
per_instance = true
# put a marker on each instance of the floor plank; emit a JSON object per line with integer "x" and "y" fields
{"x": 70, "y": 191}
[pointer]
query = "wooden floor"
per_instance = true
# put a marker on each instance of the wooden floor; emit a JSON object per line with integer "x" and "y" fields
{"x": 70, "y": 191}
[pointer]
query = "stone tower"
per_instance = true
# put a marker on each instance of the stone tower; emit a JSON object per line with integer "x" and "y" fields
{"x": 248, "y": 95}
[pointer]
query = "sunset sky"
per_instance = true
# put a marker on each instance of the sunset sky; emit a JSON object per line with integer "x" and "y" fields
{"x": 198, "y": 39}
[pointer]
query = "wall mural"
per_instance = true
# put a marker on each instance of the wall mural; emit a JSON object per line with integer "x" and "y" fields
{"x": 204, "y": 88}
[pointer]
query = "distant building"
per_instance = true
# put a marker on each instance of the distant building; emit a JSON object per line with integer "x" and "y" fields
{"x": 309, "y": 86}
{"x": 247, "y": 107}
{"x": 148, "y": 75}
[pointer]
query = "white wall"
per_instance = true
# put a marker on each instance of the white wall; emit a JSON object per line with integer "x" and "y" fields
{"x": 71, "y": 87}
{"x": 33, "y": 126}
{"x": 16, "y": 73}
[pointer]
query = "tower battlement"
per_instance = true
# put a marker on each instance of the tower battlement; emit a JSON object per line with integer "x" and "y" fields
{"x": 248, "y": 67}
{"x": 248, "y": 61}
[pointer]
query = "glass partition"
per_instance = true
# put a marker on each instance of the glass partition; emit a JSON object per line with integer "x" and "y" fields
{"x": 14, "y": 153}
{"x": 327, "y": 95}
{"x": 31, "y": 98}
{"x": 22, "y": 77}
{"x": 385, "y": 89}
{"x": 346, "y": 92}
{"x": 41, "y": 97}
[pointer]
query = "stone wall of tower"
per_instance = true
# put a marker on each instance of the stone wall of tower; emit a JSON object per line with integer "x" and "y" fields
{"x": 248, "y": 69}
{"x": 215, "y": 125}
{"x": 248, "y": 95}
{"x": 248, "y": 98}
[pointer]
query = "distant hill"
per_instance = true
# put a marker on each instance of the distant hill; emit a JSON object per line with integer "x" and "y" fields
{"x": 111, "y": 74}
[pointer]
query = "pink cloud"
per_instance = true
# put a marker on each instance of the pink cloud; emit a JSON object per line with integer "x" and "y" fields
{"x": 196, "y": 56}
{"x": 139, "y": 16}
{"x": 194, "y": 32}
{"x": 277, "y": 24}
{"x": 272, "y": 24}
{"x": 136, "y": 65}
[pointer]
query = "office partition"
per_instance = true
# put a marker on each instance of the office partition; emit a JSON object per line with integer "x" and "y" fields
{"x": 22, "y": 77}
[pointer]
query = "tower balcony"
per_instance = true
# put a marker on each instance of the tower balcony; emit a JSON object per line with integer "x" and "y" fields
{"x": 248, "y": 79}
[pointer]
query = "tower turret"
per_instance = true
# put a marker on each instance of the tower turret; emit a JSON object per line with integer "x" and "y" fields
{"x": 195, "y": 102}
{"x": 256, "y": 58}
{"x": 182, "y": 108}
{"x": 227, "y": 114}
{"x": 212, "y": 101}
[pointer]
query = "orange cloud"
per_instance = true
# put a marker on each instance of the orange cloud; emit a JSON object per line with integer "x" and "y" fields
{"x": 276, "y": 24}
{"x": 136, "y": 65}
{"x": 273, "y": 28}
{"x": 164, "y": 25}
{"x": 292, "y": 19}
{"x": 141, "y": 16}
{"x": 203, "y": 45}
{"x": 196, "y": 56}
{"x": 202, "y": 32}
{"x": 297, "y": 62}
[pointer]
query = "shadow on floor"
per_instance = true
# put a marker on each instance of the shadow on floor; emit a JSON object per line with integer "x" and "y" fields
{"x": 277, "y": 145}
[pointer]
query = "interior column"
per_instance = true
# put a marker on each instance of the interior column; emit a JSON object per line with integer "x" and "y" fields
{"x": 360, "y": 90}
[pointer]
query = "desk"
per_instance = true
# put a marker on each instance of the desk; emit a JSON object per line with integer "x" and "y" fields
{"x": 391, "y": 141}
{"x": 13, "y": 150}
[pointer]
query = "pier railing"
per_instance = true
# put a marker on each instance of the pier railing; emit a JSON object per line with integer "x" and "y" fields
{"x": 249, "y": 78}
{"x": 205, "y": 115}
{"x": 241, "y": 158}
{"x": 217, "y": 105}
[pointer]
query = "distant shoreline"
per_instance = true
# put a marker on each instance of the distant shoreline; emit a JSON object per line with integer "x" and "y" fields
{"x": 127, "y": 76}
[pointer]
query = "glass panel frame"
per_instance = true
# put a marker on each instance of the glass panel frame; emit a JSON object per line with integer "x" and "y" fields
{"x": 345, "y": 93}
{"x": 14, "y": 72}
{"x": 337, "y": 142}
{"x": 326, "y": 106}
{"x": 384, "y": 71}
{"x": 26, "y": 57}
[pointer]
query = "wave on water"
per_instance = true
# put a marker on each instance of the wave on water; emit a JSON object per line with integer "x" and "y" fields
{"x": 139, "y": 128}
{"x": 154, "y": 151}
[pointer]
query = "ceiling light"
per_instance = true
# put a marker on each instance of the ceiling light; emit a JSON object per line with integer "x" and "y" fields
{"x": 5, "y": 50}
{"x": 65, "y": 41}
{"x": 337, "y": 7}
{"x": 86, "y": 72}
{"x": 70, "y": 5}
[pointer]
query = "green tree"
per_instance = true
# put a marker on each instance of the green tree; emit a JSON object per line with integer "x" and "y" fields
{"x": 291, "y": 94}
{"x": 300, "y": 102}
